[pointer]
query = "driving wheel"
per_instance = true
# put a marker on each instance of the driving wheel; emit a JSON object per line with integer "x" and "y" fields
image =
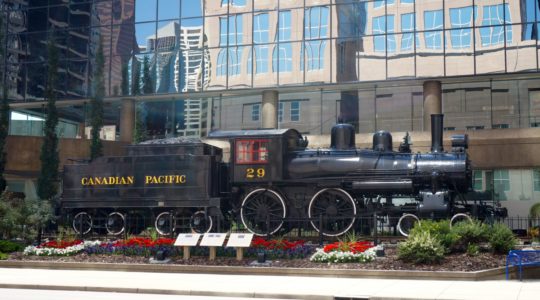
{"x": 333, "y": 209}
{"x": 263, "y": 211}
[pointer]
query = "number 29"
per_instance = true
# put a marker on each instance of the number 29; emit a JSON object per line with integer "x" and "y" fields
{"x": 255, "y": 173}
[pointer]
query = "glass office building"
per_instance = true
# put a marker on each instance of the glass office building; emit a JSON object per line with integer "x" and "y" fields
{"x": 213, "y": 63}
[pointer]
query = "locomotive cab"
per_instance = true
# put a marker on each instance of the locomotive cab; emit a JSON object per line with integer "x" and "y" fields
{"x": 258, "y": 155}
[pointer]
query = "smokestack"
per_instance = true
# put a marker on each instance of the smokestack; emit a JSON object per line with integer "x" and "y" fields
{"x": 437, "y": 133}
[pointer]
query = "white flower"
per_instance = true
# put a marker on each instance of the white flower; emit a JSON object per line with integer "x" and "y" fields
{"x": 342, "y": 257}
{"x": 33, "y": 250}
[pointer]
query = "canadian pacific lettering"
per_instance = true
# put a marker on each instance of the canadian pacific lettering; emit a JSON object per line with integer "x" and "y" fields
{"x": 130, "y": 180}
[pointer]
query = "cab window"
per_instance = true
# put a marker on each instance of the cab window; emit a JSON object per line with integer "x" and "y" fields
{"x": 251, "y": 151}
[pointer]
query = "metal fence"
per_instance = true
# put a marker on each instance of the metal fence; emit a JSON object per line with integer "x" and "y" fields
{"x": 373, "y": 227}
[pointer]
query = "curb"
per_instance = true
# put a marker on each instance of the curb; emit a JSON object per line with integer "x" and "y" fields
{"x": 163, "y": 291}
{"x": 497, "y": 273}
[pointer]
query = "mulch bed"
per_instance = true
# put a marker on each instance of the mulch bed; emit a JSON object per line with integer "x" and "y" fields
{"x": 452, "y": 262}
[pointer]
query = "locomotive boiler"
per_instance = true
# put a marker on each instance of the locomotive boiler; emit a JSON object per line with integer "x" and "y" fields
{"x": 271, "y": 184}
{"x": 276, "y": 179}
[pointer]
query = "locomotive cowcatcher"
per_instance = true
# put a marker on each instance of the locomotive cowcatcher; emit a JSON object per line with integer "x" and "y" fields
{"x": 271, "y": 184}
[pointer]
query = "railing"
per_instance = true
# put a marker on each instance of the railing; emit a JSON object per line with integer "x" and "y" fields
{"x": 373, "y": 227}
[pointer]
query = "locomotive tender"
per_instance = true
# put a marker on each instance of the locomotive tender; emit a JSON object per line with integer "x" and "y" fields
{"x": 271, "y": 181}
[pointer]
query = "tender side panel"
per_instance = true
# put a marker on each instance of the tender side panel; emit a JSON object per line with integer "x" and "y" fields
{"x": 147, "y": 181}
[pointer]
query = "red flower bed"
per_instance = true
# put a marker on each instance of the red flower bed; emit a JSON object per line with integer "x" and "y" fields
{"x": 60, "y": 244}
{"x": 143, "y": 242}
{"x": 281, "y": 244}
{"x": 354, "y": 247}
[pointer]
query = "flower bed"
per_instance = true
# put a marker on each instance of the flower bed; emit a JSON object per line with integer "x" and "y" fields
{"x": 59, "y": 248}
{"x": 344, "y": 252}
{"x": 147, "y": 247}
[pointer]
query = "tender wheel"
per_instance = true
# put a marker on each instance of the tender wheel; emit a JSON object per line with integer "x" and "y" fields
{"x": 116, "y": 223}
{"x": 82, "y": 223}
{"x": 460, "y": 218}
{"x": 337, "y": 209}
{"x": 406, "y": 223}
{"x": 200, "y": 222}
{"x": 263, "y": 211}
{"x": 164, "y": 223}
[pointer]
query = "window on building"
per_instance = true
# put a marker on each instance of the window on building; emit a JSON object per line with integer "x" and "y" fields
{"x": 536, "y": 180}
{"x": 381, "y": 3}
{"x": 475, "y": 127}
{"x": 407, "y": 1}
{"x": 501, "y": 183}
{"x": 235, "y": 30}
{"x": 233, "y": 2}
{"x": 500, "y": 126}
{"x": 383, "y": 40}
{"x": 235, "y": 57}
{"x": 478, "y": 181}
{"x": 261, "y": 36}
{"x": 433, "y": 24}
{"x": 230, "y": 34}
{"x": 252, "y": 151}
{"x": 461, "y": 17}
{"x": 282, "y": 54}
{"x": 280, "y": 112}
{"x": 255, "y": 112}
{"x": 221, "y": 68}
{"x": 223, "y": 31}
{"x": 295, "y": 111}
{"x": 408, "y": 22}
{"x": 492, "y": 32}
{"x": 530, "y": 12}
{"x": 315, "y": 29}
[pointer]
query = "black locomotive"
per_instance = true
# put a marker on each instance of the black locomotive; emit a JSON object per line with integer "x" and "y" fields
{"x": 271, "y": 180}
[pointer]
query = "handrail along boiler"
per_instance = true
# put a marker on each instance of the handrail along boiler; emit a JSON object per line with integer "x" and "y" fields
{"x": 272, "y": 181}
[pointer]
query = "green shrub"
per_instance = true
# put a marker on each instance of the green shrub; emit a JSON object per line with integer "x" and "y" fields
{"x": 469, "y": 233}
{"x": 3, "y": 256}
{"x": 438, "y": 229}
{"x": 473, "y": 249}
{"x": 20, "y": 218}
{"x": 421, "y": 248}
{"x": 8, "y": 247}
{"x": 501, "y": 239}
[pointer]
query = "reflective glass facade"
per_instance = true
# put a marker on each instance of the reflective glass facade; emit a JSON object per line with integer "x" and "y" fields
{"x": 358, "y": 61}
{"x": 209, "y": 61}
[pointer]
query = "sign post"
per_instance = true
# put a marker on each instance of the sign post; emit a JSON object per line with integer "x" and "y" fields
{"x": 240, "y": 241}
{"x": 213, "y": 240}
{"x": 187, "y": 240}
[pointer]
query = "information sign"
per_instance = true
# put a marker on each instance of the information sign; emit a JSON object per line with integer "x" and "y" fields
{"x": 187, "y": 239}
{"x": 213, "y": 239}
{"x": 240, "y": 240}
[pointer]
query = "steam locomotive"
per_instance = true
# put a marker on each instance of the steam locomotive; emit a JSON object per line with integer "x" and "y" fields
{"x": 271, "y": 181}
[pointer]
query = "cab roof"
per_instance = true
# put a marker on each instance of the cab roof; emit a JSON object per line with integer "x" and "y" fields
{"x": 253, "y": 133}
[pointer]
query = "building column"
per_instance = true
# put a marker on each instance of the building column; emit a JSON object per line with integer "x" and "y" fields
{"x": 432, "y": 101}
{"x": 127, "y": 120}
{"x": 270, "y": 109}
{"x": 82, "y": 130}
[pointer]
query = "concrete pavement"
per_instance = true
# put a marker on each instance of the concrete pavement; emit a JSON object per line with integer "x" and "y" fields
{"x": 263, "y": 286}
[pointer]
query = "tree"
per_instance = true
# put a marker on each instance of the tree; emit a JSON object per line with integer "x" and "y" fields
{"x": 148, "y": 85}
{"x": 96, "y": 105}
{"x": 125, "y": 83}
{"x": 4, "y": 130}
{"x": 139, "y": 132}
{"x": 4, "y": 114}
{"x": 50, "y": 161}
{"x": 136, "y": 84}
